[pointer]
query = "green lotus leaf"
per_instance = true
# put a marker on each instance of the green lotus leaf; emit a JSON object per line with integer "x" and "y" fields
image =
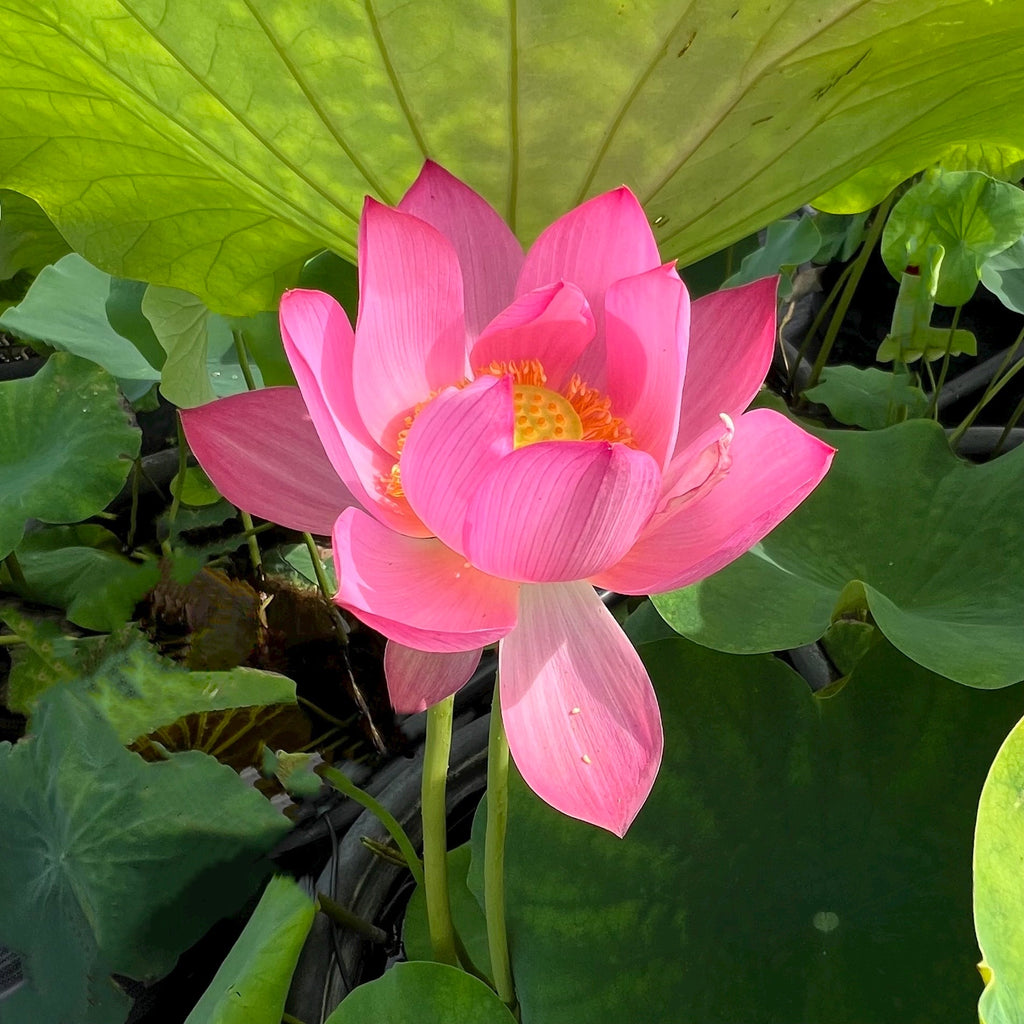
{"x": 65, "y": 446}
{"x": 935, "y": 542}
{"x": 970, "y": 215}
{"x": 251, "y": 985}
{"x": 868, "y": 398}
{"x": 422, "y": 993}
{"x": 66, "y": 308}
{"x": 1003, "y": 275}
{"x": 124, "y": 313}
{"x": 201, "y": 362}
{"x": 28, "y": 241}
{"x": 113, "y": 865}
{"x": 82, "y": 571}
{"x": 999, "y": 885}
{"x": 788, "y": 243}
{"x": 800, "y": 858}
{"x": 215, "y": 149}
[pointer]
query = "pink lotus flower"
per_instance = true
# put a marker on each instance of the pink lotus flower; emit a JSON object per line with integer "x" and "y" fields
{"x": 502, "y": 434}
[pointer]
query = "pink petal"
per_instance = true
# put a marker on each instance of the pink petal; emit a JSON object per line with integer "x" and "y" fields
{"x": 451, "y": 445}
{"x": 732, "y": 335}
{"x": 647, "y": 325}
{"x": 319, "y": 342}
{"x": 774, "y": 466}
{"x": 489, "y": 254}
{"x": 601, "y": 241}
{"x": 560, "y": 510}
{"x": 410, "y": 336}
{"x": 581, "y": 716}
{"x": 262, "y": 453}
{"x": 416, "y": 591}
{"x": 552, "y": 324}
{"x": 419, "y": 679}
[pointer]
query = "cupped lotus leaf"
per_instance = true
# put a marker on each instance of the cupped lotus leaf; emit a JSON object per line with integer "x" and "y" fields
{"x": 970, "y": 215}
{"x": 868, "y": 398}
{"x": 800, "y": 858}
{"x": 66, "y": 308}
{"x": 215, "y": 148}
{"x": 422, "y": 993}
{"x": 251, "y": 985}
{"x": 28, "y": 241}
{"x": 66, "y": 445}
{"x": 999, "y": 884}
{"x": 1003, "y": 275}
{"x": 112, "y": 864}
{"x": 934, "y": 540}
{"x": 201, "y": 362}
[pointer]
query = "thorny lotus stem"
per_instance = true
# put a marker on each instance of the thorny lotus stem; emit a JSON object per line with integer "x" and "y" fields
{"x": 494, "y": 854}
{"x": 859, "y": 265}
{"x": 344, "y": 784}
{"x": 435, "y": 830}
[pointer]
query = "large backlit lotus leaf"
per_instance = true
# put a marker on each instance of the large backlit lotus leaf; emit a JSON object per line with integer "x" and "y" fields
{"x": 801, "y": 858}
{"x": 66, "y": 445}
{"x": 935, "y": 542}
{"x": 999, "y": 884}
{"x": 113, "y": 865}
{"x": 215, "y": 147}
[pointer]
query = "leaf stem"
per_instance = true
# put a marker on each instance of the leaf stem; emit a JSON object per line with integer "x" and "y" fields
{"x": 435, "y": 830}
{"x": 341, "y": 782}
{"x": 1002, "y": 377}
{"x": 859, "y": 265}
{"x": 243, "y": 360}
{"x": 494, "y": 854}
{"x": 933, "y": 411}
{"x": 11, "y": 639}
{"x": 14, "y": 568}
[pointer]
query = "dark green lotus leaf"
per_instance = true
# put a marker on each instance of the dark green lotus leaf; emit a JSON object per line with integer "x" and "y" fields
{"x": 215, "y": 148}
{"x": 66, "y": 446}
{"x": 788, "y": 243}
{"x": 999, "y": 884}
{"x": 801, "y": 858}
{"x": 124, "y": 313}
{"x": 81, "y": 570}
{"x": 970, "y": 215}
{"x": 471, "y": 921}
{"x": 423, "y": 993}
{"x": 252, "y": 983}
{"x": 868, "y": 398}
{"x": 113, "y": 865}
{"x": 935, "y": 542}
{"x": 66, "y": 308}
{"x": 28, "y": 240}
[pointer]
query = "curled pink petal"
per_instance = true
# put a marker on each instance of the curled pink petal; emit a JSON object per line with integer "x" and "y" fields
{"x": 416, "y": 591}
{"x": 774, "y": 466}
{"x": 452, "y": 444}
{"x": 581, "y": 716}
{"x": 262, "y": 453}
{"x": 410, "y": 336}
{"x": 419, "y": 679}
{"x": 647, "y": 321}
{"x": 318, "y": 340}
{"x": 732, "y": 335}
{"x": 488, "y": 251}
{"x": 552, "y": 324}
{"x": 560, "y": 510}
{"x": 601, "y": 241}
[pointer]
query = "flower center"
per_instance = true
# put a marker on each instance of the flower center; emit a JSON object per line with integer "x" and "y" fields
{"x": 543, "y": 415}
{"x": 579, "y": 413}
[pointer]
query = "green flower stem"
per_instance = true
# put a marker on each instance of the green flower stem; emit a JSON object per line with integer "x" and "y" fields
{"x": 1002, "y": 377}
{"x": 318, "y": 568}
{"x": 344, "y": 784}
{"x": 435, "y": 830}
{"x": 494, "y": 854}
{"x": 10, "y": 640}
{"x": 858, "y": 265}
{"x": 933, "y": 410}
{"x": 165, "y": 545}
{"x": 254, "y": 546}
{"x": 14, "y": 568}
{"x": 243, "y": 360}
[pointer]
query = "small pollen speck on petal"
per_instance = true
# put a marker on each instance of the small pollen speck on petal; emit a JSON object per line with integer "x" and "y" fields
{"x": 574, "y": 711}
{"x": 585, "y": 759}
